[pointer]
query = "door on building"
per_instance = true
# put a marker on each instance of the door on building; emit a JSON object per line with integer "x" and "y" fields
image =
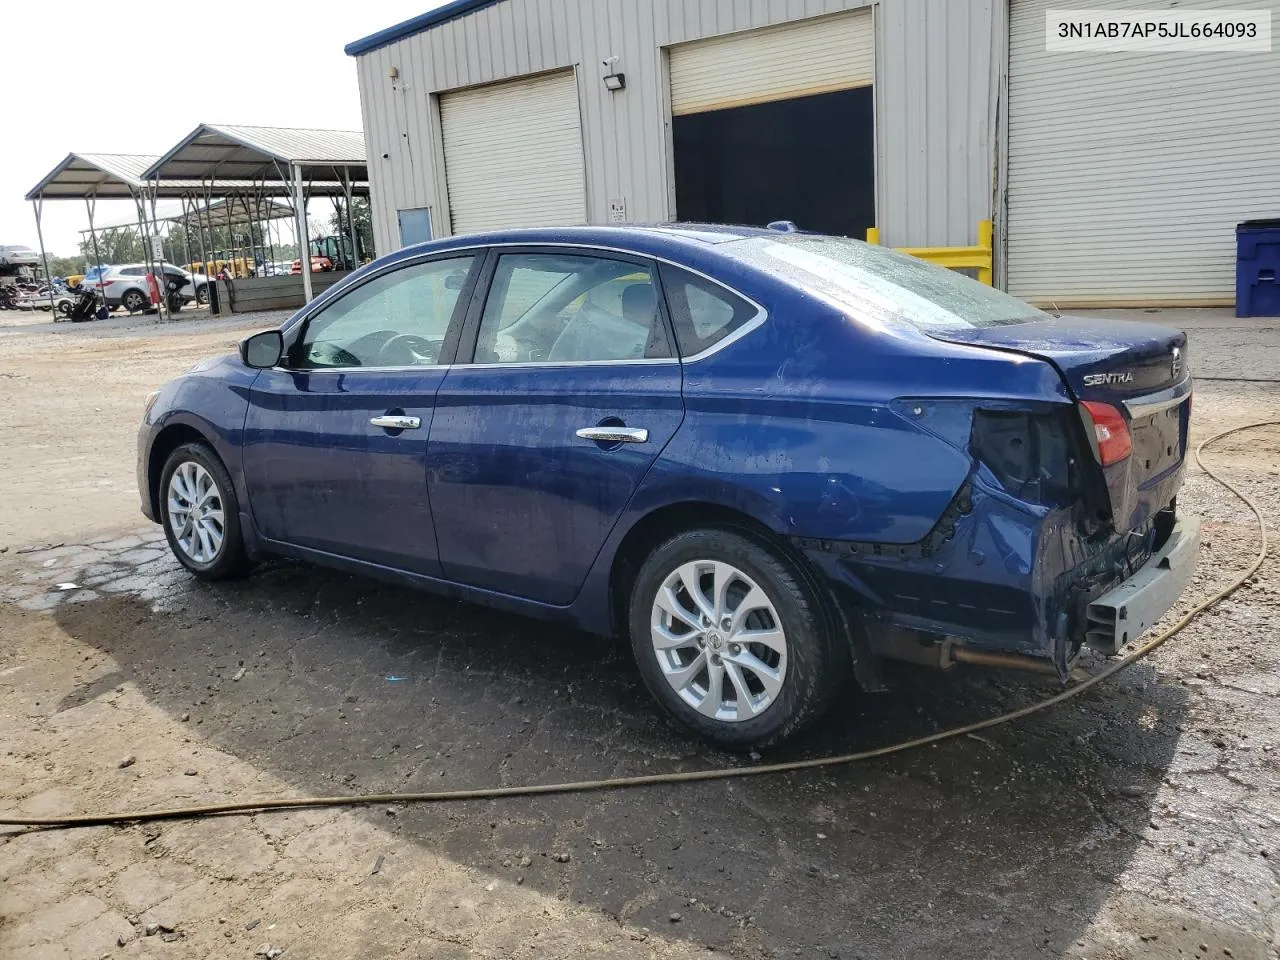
{"x": 778, "y": 124}
{"x": 415, "y": 225}
{"x": 1128, "y": 172}
{"x": 513, "y": 154}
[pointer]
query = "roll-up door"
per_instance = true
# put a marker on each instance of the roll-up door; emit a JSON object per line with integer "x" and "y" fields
{"x": 513, "y": 154}
{"x": 1128, "y": 172}
{"x": 775, "y": 63}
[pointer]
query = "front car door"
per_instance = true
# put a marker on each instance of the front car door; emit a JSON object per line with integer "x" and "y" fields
{"x": 336, "y": 437}
{"x": 539, "y": 442}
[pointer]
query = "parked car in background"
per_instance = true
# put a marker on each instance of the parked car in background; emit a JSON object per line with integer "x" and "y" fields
{"x": 768, "y": 458}
{"x": 60, "y": 301}
{"x": 18, "y": 256}
{"x": 126, "y": 285}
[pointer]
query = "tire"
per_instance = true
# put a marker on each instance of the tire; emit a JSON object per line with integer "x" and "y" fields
{"x": 64, "y": 308}
{"x": 134, "y": 301}
{"x": 202, "y": 294}
{"x": 200, "y": 468}
{"x": 802, "y": 667}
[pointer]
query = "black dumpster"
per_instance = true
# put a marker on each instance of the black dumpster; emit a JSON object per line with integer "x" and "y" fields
{"x": 1257, "y": 260}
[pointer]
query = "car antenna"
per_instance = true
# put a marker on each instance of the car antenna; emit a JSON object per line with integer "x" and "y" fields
{"x": 1056, "y": 311}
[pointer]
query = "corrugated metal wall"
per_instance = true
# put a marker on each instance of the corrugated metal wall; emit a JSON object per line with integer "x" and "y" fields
{"x": 1128, "y": 172}
{"x": 933, "y": 80}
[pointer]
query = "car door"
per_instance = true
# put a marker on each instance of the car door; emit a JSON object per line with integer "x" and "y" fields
{"x": 538, "y": 443}
{"x": 336, "y": 436}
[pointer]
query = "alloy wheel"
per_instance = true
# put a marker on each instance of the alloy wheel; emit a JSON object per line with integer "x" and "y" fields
{"x": 195, "y": 512}
{"x": 719, "y": 640}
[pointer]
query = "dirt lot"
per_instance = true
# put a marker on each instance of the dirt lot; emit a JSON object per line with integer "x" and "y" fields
{"x": 1140, "y": 821}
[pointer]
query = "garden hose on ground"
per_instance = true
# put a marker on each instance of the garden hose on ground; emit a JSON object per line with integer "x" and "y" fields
{"x": 693, "y": 776}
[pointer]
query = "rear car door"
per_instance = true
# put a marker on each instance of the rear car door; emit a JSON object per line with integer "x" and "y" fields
{"x": 572, "y": 390}
{"x": 336, "y": 436}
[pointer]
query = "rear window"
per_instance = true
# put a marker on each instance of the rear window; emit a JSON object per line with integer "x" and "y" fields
{"x": 703, "y": 313}
{"x": 886, "y": 286}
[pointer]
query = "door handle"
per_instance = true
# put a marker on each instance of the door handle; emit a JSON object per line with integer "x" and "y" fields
{"x": 390, "y": 422}
{"x": 615, "y": 434}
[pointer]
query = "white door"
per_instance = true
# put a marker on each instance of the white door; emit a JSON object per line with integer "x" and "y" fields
{"x": 1128, "y": 172}
{"x": 775, "y": 63}
{"x": 513, "y": 154}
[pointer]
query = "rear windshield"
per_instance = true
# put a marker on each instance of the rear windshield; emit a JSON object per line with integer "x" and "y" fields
{"x": 884, "y": 286}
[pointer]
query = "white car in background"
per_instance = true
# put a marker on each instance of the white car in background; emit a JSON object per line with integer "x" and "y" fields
{"x": 126, "y": 285}
{"x": 18, "y": 256}
{"x": 59, "y": 302}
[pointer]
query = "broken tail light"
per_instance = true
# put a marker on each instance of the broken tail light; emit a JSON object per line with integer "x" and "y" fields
{"x": 1115, "y": 442}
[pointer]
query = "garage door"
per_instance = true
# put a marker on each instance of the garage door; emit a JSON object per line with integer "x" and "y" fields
{"x": 513, "y": 155}
{"x": 776, "y": 63}
{"x": 1129, "y": 171}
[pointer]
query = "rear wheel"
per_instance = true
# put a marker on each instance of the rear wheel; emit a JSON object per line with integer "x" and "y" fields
{"x": 201, "y": 515}
{"x": 64, "y": 308}
{"x": 731, "y": 640}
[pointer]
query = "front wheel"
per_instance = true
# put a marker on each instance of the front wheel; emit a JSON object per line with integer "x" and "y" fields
{"x": 731, "y": 640}
{"x": 201, "y": 515}
{"x": 134, "y": 300}
{"x": 202, "y": 295}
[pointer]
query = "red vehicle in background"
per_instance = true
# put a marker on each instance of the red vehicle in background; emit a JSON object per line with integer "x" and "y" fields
{"x": 332, "y": 253}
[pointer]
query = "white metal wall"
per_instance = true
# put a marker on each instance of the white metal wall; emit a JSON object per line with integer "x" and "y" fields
{"x": 933, "y": 83}
{"x": 1129, "y": 171}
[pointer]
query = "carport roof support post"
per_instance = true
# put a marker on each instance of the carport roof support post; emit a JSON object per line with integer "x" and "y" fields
{"x": 38, "y": 206}
{"x": 91, "y": 203}
{"x": 304, "y": 246}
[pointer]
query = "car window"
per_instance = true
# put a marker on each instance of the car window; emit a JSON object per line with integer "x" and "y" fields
{"x": 133, "y": 271}
{"x": 702, "y": 312}
{"x": 567, "y": 308}
{"x": 398, "y": 319}
{"x": 885, "y": 285}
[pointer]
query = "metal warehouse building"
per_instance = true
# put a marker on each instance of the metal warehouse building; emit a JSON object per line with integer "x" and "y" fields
{"x": 1112, "y": 178}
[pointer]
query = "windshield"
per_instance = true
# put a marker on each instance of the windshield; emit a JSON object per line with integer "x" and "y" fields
{"x": 886, "y": 286}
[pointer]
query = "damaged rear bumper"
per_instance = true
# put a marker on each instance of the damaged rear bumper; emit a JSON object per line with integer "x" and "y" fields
{"x": 1001, "y": 579}
{"x": 1129, "y": 610}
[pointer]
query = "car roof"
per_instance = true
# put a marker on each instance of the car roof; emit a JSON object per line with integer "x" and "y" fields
{"x": 643, "y": 239}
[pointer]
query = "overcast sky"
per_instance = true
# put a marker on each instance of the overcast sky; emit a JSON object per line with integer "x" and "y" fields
{"x": 135, "y": 76}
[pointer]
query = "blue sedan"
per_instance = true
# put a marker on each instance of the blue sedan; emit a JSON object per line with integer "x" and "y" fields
{"x": 771, "y": 459}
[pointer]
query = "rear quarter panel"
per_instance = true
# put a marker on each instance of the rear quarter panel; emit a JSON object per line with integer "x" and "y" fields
{"x": 796, "y": 422}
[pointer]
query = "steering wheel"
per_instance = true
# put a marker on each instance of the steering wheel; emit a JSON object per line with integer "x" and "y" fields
{"x": 406, "y": 349}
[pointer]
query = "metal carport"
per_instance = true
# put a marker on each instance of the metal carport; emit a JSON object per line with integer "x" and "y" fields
{"x": 94, "y": 176}
{"x": 282, "y": 156}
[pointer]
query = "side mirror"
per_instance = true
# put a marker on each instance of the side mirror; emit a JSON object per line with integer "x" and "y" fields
{"x": 262, "y": 350}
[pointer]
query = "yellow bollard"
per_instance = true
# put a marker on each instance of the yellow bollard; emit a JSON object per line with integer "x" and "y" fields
{"x": 977, "y": 258}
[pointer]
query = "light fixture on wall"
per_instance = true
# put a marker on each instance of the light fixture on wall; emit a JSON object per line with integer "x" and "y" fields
{"x": 613, "y": 80}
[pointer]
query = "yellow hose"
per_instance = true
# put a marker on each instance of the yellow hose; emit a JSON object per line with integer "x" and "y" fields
{"x": 621, "y": 783}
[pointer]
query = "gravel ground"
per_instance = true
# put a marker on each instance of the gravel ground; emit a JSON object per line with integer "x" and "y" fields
{"x": 1141, "y": 820}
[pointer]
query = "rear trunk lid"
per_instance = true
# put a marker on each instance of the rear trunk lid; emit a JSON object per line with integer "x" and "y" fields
{"x": 1140, "y": 369}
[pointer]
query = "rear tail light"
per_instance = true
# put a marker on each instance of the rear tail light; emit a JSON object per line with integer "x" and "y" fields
{"x": 105, "y": 283}
{"x": 1112, "y": 430}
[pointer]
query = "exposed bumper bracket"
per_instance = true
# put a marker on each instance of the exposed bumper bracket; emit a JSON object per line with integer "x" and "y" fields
{"x": 1127, "y": 611}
